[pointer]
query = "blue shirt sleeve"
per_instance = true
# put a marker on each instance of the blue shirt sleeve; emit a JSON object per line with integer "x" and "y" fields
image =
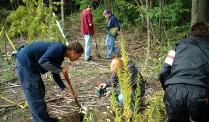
{"x": 58, "y": 81}
{"x": 113, "y": 81}
{"x": 53, "y": 55}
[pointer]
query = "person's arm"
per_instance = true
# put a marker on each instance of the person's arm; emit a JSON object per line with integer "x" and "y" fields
{"x": 50, "y": 67}
{"x": 90, "y": 20}
{"x": 113, "y": 81}
{"x": 51, "y": 55}
{"x": 108, "y": 24}
{"x": 58, "y": 81}
{"x": 69, "y": 87}
{"x": 166, "y": 69}
{"x": 108, "y": 83}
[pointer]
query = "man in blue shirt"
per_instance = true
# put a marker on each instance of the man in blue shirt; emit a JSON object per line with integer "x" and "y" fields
{"x": 36, "y": 59}
{"x": 112, "y": 29}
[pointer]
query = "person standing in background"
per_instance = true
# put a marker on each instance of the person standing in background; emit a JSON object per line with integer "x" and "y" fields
{"x": 87, "y": 29}
{"x": 112, "y": 30}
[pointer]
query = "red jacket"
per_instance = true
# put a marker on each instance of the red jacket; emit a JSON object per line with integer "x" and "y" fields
{"x": 86, "y": 19}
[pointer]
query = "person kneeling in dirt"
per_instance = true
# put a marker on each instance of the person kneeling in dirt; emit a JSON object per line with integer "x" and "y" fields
{"x": 185, "y": 77}
{"x": 115, "y": 66}
{"x": 36, "y": 59}
{"x": 112, "y": 30}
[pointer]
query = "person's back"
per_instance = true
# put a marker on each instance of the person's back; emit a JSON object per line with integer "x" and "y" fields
{"x": 191, "y": 63}
{"x": 86, "y": 19}
{"x": 185, "y": 77}
{"x": 112, "y": 22}
{"x": 31, "y": 55}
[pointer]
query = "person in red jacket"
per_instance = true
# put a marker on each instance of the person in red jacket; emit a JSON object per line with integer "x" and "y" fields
{"x": 87, "y": 29}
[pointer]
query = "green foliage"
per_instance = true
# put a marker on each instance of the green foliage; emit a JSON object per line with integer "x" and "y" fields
{"x": 115, "y": 107}
{"x": 125, "y": 88}
{"x": 138, "y": 100}
{"x": 97, "y": 13}
{"x": 6, "y": 72}
{"x": 3, "y": 14}
{"x": 156, "y": 109}
{"x": 126, "y": 12}
{"x": 33, "y": 21}
{"x": 174, "y": 18}
{"x": 170, "y": 13}
{"x": 98, "y": 17}
{"x": 7, "y": 75}
{"x": 82, "y": 3}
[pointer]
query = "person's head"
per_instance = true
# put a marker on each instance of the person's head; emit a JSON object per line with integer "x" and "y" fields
{"x": 74, "y": 51}
{"x": 200, "y": 30}
{"x": 106, "y": 13}
{"x": 115, "y": 65}
{"x": 91, "y": 6}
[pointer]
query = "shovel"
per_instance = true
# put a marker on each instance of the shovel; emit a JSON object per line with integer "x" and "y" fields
{"x": 82, "y": 108}
{"x": 97, "y": 52}
{"x": 97, "y": 49}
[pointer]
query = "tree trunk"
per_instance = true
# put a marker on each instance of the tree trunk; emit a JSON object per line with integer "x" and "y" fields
{"x": 50, "y": 21}
{"x": 161, "y": 3}
{"x": 62, "y": 13}
{"x": 199, "y": 11}
{"x": 143, "y": 19}
{"x": 108, "y": 5}
{"x": 148, "y": 34}
{"x": 50, "y": 4}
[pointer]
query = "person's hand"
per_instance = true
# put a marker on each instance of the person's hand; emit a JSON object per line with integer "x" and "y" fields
{"x": 90, "y": 25}
{"x": 65, "y": 70}
{"x": 102, "y": 85}
{"x": 94, "y": 40}
{"x": 107, "y": 94}
{"x": 119, "y": 33}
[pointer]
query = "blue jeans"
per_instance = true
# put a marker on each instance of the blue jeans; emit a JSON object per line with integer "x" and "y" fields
{"x": 110, "y": 43}
{"x": 34, "y": 91}
{"x": 88, "y": 46}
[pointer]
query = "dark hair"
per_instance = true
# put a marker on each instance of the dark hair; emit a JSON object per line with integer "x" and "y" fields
{"x": 92, "y": 4}
{"x": 200, "y": 30}
{"x": 76, "y": 46}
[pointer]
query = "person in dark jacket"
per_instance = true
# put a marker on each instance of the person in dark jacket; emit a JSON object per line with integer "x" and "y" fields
{"x": 112, "y": 29}
{"x": 185, "y": 77}
{"x": 36, "y": 59}
{"x": 117, "y": 64}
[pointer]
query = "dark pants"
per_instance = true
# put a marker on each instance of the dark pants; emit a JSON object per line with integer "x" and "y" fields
{"x": 184, "y": 102}
{"x": 34, "y": 91}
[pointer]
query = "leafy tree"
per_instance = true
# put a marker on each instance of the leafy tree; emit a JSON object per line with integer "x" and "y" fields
{"x": 32, "y": 20}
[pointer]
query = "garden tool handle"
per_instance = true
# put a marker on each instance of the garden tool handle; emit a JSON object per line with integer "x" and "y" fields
{"x": 71, "y": 88}
{"x": 95, "y": 40}
{"x": 69, "y": 84}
